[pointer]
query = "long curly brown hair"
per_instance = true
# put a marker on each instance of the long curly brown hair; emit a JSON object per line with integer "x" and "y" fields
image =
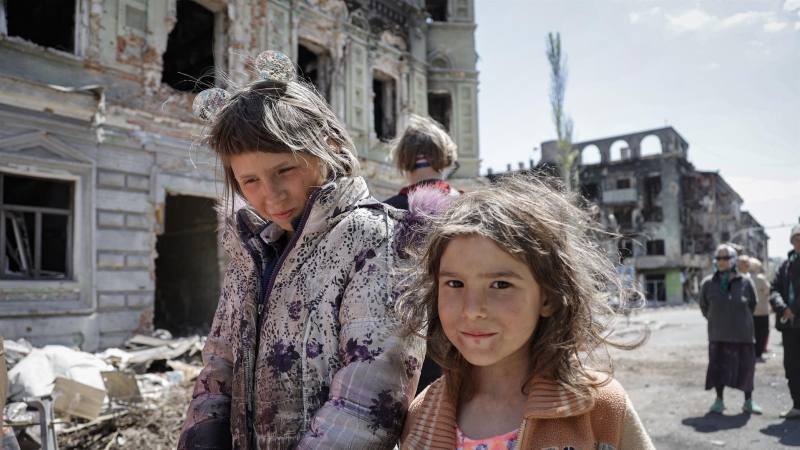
{"x": 536, "y": 222}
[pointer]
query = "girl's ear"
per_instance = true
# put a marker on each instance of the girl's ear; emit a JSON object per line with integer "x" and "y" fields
{"x": 549, "y": 307}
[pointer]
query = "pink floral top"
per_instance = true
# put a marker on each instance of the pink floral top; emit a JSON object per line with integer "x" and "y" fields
{"x": 503, "y": 442}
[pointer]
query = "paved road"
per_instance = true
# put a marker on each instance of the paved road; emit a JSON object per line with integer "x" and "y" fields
{"x": 665, "y": 380}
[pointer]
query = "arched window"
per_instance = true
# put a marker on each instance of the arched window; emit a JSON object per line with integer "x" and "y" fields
{"x": 651, "y": 145}
{"x": 619, "y": 150}
{"x": 590, "y": 155}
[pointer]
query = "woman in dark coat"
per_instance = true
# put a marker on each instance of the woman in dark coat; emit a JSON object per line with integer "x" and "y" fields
{"x": 727, "y": 300}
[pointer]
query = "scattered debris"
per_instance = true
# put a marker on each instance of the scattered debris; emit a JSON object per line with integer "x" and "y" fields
{"x": 132, "y": 397}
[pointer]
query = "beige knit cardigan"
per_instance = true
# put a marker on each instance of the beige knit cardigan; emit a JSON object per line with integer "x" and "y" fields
{"x": 554, "y": 419}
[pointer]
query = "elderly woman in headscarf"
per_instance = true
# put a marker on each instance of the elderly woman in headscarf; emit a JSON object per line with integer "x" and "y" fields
{"x": 727, "y": 300}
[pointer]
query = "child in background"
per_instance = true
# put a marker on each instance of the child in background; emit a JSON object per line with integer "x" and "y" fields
{"x": 512, "y": 295}
{"x": 422, "y": 153}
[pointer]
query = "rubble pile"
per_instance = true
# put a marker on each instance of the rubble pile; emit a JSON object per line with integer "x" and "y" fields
{"x": 131, "y": 397}
{"x": 156, "y": 428}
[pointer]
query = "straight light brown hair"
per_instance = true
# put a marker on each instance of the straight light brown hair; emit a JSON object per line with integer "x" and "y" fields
{"x": 276, "y": 118}
{"x": 423, "y": 136}
{"x": 537, "y": 223}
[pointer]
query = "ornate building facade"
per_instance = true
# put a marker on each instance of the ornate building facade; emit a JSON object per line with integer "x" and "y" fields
{"x": 107, "y": 224}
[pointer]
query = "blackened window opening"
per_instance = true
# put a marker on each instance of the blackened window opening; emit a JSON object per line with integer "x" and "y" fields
{"x": 383, "y": 108}
{"x": 308, "y": 62}
{"x": 36, "y": 223}
{"x": 655, "y": 247}
{"x": 625, "y": 249}
{"x": 49, "y": 23}
{"x": 652, "y": 188}
{"x": 590, "y": 191}
{"x": 440, "y": 108}
{"x": 437, "y": 9}
{"x": 189, "y": 59}
{"x": 624, "y": 183}
{"x": 656, "y": 287}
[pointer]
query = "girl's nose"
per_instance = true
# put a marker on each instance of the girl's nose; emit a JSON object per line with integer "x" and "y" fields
{"x": 474, "y": 304}
{"x": 272, "y": 192}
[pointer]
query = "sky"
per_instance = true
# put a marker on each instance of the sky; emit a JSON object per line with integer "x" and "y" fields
{"x": 725, "y": 75}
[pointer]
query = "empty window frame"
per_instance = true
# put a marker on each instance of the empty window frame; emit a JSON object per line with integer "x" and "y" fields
{"x": 198, "y": 38}
{"x": 590, "y": 191}
{"x": 383, "y": 106}
{"x": 440, "y": 108}
{"x": 57, "y": 24}
{"x": 655, "y": 247}
{"x": 656, "y": 287}
{"x": 36, "y": 216}
{"x": 437, "y": 9}
{"x": 624, "y": 183}
{"x": 625, "y": 249}
{"x": 315, "y": 67}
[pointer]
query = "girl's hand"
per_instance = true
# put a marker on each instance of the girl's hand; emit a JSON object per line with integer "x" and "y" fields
{"x": 788, "y": 314}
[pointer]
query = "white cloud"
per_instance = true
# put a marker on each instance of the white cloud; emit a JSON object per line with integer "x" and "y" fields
{"x": 797, "y": 25}
{"x": 748, "y": 16}
{"x": 636, "y": 17}
{"x": 691, "y": 20}
{"x": 791, "y": 5}
{"x": 711, "y": 66}
{"x": 774, "y": 27}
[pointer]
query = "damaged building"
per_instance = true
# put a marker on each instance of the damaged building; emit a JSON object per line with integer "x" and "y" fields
{"x": 670, "y": 216}
{"x": 107, "y": 219}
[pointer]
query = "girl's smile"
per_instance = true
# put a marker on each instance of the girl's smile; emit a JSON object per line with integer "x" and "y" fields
{"x": 489, "y": 302}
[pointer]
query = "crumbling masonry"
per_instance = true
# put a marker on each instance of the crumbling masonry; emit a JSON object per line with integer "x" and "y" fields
{"x": 670, "y": 215}
{"x": 107, "y": 223}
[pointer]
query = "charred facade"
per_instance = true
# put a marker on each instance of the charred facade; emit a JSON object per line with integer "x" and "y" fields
{"x": 95, "y": 101}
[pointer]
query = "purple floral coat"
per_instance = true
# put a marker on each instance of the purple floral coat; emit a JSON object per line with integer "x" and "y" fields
{"x": 330, "y": 368}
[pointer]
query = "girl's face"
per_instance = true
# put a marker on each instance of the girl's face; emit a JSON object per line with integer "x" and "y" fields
{"x": 489, "y": 302}
{"x": 277, "y": 185}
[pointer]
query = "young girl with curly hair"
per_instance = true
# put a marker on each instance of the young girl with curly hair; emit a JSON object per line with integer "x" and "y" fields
{"x": 512, "y": 302}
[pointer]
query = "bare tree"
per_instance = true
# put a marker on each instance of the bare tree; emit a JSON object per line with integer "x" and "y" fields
{"x": 558, "y": 83}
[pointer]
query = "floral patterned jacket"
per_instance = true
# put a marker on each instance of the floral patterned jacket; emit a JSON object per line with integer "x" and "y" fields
{"x": 329, "y": 368}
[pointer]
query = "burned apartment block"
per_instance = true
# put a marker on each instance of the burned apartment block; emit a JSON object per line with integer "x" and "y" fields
{"x": 669, "y": 215}
{"x": 107, "y": 220}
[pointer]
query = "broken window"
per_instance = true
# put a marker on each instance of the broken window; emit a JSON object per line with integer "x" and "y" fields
{"x": 440, "y": 108}
{"x": 36, "y": 226}
{"x": 49, "y": 23}
{"x": 189, "y": 59}
{"x": 652, "y": 188}
{"x": 656, "y": 287}
{"x": 437, "y": 9}
{"x": 624, "y": 216}
{"x": 313, "y": 63}
{"x": 590, "y": 191}
{"x": 624, "y": 183}
{"x": 383, "y": 105}
{"x": 655, "y": 247}
{"x": 624, "y": 249}
{"x": 188, "y": 276}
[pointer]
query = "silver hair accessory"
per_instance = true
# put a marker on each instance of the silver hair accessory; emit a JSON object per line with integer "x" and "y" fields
{"x": 208, "y": 103}
{"x": 275, "y": 67}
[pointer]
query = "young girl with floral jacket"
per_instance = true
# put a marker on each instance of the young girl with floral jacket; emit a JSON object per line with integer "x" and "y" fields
{"x": 305, "y": 350}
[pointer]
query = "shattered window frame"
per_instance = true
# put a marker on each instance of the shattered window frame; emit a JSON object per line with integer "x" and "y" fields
{"x": 10, "y": 211}
{"x": 80, "y": 30}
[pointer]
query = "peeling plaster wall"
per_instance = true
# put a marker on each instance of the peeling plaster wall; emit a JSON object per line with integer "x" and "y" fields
{"x": 147, "y": 152}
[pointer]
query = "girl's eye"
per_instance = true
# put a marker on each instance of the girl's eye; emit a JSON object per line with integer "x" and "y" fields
{"x": 455, "y": 284}
{"x": 286, "y": 170}
{"x": 500, "y": 285}
{"x": 249, "y": 180}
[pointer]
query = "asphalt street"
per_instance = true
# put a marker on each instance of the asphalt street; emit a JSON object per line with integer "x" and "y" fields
{"x": 665, "y": 380}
